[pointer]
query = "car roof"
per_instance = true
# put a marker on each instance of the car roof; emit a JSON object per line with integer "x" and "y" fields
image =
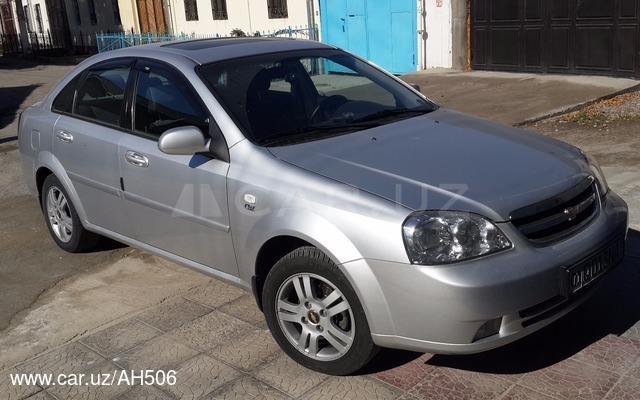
{"x": 204, "y": 51}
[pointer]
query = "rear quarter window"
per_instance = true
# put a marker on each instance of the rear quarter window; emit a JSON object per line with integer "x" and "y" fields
{"x": 63, "y": 103}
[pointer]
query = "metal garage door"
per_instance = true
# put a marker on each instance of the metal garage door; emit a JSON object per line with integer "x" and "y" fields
{"x": 382, "y": 31}
{"x": 556, "y": 36}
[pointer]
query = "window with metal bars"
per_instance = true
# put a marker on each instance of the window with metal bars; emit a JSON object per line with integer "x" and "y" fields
{"x": 39, "y": 18}
{"x": 76, "y": 8}
{"x": 116, "y": 12}
{"x": 277, "y": 9}
{"x": 219, "y": 9}
{"x": 92, "y": 12}
{"x": 191, "y": 10}
{"x": 27, "y": 18}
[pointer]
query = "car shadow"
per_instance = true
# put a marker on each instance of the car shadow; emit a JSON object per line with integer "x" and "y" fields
{"x": 106, "y": 244}
{"x": 11, "y": 98}
{"x": 612, "y": 310}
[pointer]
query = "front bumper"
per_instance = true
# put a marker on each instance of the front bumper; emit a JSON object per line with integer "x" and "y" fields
{"x": 484, "y": 303}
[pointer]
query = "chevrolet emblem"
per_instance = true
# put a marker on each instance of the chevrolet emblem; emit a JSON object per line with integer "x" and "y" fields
{"x": 571, "y": 213}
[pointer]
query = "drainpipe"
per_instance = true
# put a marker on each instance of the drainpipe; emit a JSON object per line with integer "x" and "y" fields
{"x": 423, "y": 33}
{"x": 311, "y": 20}
{"x": 250, "y": 33}
{"x": 468, "y": 36}
{"x": 170, "y": 17}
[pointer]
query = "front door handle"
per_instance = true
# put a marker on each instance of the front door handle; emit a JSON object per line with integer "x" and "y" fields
{"x": 137, "y": 159}
{"x": 64, "y": 136}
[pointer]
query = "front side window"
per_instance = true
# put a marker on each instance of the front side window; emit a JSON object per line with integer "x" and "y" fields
{"x": 100, "y": 95}
{"x": 191, "y": 10}
{"x": 288, "y": 98}
{"x": 277, "y": 9}
{"x": 219, "y": 9}
{"x": 164, "y": 100}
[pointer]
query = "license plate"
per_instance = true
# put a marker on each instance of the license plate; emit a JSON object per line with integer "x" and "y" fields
{"x": 581, "y": 275}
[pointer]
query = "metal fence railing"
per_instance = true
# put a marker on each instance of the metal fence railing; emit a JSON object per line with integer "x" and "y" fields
{"x": 112, "y": 41}
{"x": 51, "y": 42}
{"x": 10, "y": 44}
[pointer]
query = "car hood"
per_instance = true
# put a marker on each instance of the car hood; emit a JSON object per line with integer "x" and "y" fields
{"x": 446, "y": 160}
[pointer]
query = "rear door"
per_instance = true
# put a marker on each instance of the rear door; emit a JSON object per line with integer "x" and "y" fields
{"x": 175, "y": 203}
{"x": 86, "y": 140}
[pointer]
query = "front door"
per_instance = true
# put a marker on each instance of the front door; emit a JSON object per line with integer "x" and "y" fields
{"x": 176, "y": 203}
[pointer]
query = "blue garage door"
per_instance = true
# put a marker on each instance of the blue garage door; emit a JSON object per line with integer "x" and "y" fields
{"x": 382, "y": 31}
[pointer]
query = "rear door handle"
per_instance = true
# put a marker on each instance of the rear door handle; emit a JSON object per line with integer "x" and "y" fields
{"x": 64, "y": 136}
{"x": 137, "y": 159}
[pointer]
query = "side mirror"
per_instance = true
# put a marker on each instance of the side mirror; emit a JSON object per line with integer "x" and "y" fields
{"x": 415, "y": 86}
{"x": 184, "y": 140}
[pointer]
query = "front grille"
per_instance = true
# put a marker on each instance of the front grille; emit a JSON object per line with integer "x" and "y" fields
{"x": 558, "y": 217}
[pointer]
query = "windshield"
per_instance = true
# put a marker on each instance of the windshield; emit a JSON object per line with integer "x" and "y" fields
{"x": 286, "y": 98}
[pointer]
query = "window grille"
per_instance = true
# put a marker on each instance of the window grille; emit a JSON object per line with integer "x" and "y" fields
{"x": 219, "y": 9}
{"x": 116, "y": 12}
{"x": 27, "y": 18}
{"x": 277, "y": 9}
{"x": 191, "y": 10}
{"x": 92, "y": 12}
{"x": 39, "y": 18}
{"x": 76, "y": 8}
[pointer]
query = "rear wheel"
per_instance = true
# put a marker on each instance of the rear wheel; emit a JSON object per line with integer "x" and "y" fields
{"x": 315, "y": 315}
{"x": 62, "y": 219}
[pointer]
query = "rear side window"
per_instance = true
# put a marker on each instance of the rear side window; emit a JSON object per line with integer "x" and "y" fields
{"x": 100, "y": 96}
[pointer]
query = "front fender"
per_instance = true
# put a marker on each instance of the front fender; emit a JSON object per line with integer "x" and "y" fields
{"x": 326, "y": 236}
{"x": 307, "y": 226}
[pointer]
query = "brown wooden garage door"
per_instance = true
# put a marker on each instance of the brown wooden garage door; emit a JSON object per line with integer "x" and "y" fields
{"x": 556, "y": 36}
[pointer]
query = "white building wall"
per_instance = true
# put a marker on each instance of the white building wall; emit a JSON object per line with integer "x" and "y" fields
{"x": 435, "y": 47}
{"x": 250, "y": 16}
{"x": 129, "y": 15}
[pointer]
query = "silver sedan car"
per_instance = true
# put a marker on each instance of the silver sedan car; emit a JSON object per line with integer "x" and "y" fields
{"x": 359, "y": 213}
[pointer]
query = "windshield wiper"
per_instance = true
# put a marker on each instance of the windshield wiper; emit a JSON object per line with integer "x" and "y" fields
{"x": 313, "y": 132}
{"x": 380, "y": 115}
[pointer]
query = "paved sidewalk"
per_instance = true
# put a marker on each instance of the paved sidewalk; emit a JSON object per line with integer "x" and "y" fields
{"x": 515, "y": 98}
{"x": 215, "y": 339}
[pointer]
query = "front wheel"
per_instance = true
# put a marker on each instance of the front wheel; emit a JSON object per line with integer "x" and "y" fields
{"x": 62, "y": 219}
{"x": 315, "y": 315}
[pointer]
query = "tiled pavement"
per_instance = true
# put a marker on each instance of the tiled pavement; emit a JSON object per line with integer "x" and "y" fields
{"x": 216, "y": 341}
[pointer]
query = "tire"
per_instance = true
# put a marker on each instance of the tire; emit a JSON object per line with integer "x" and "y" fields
{"x": 62, "y": 219}
{"x": 315, "y": 315}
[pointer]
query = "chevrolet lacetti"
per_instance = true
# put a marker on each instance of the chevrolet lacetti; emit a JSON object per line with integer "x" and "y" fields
{"x": 359, "y": 213}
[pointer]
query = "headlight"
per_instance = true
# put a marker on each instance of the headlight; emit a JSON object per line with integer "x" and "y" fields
{"x": 441, "y": 237}
{"x": 601, "y": 181}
